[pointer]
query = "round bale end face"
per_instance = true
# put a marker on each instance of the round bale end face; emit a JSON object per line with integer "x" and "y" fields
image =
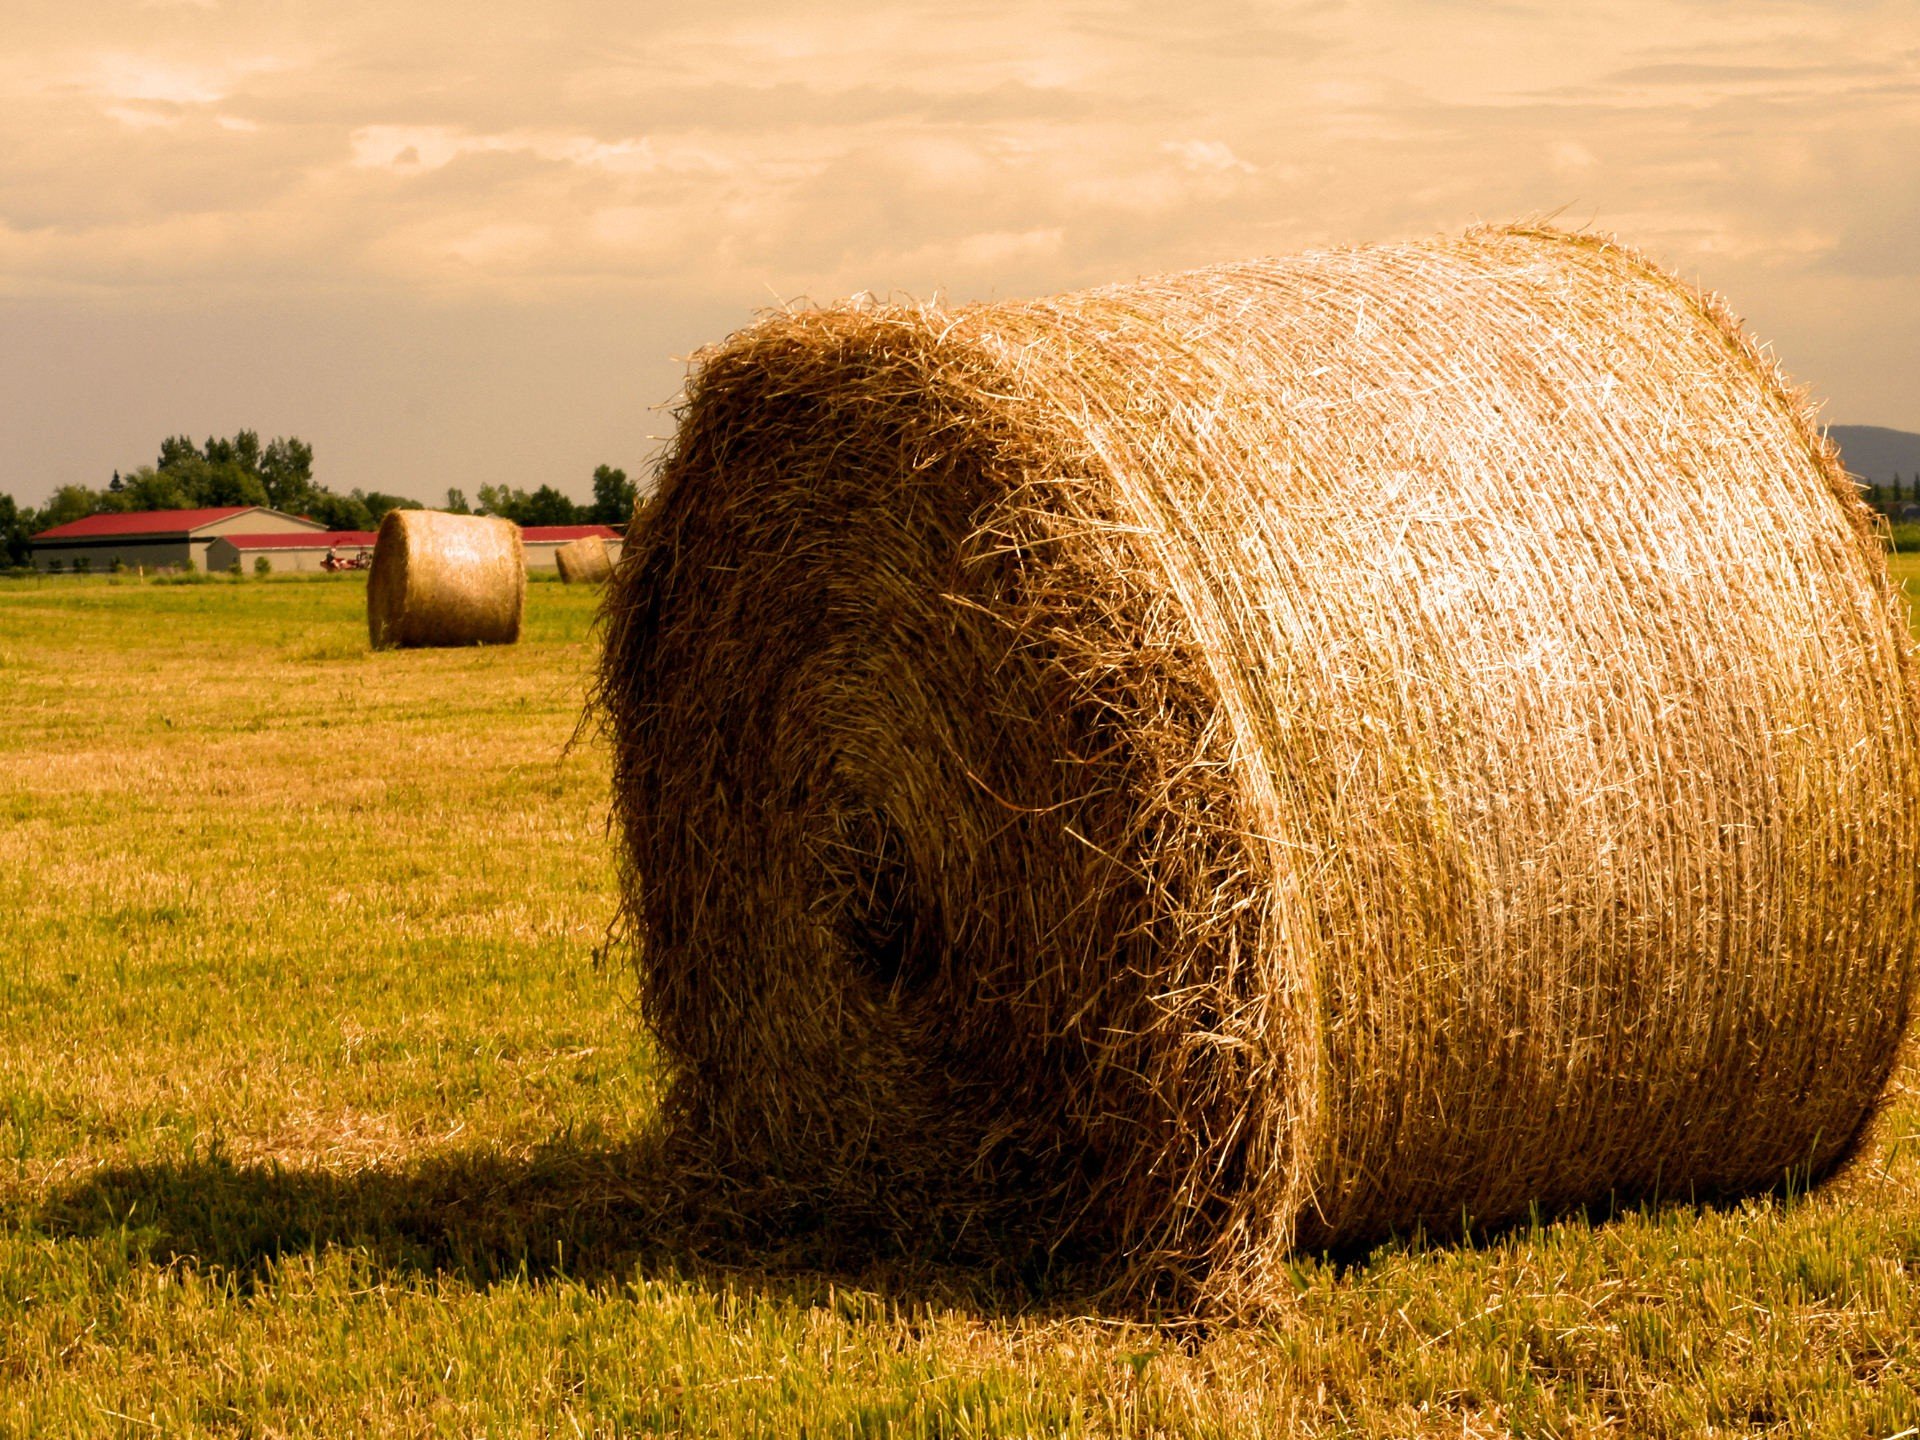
{"x": 1273, "y": 756}
{"x": 445, "y": 580}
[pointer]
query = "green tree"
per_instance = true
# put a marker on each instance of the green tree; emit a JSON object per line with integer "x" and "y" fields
{"x": 223, "y": 472}
{"x": 244, "y": 450}
{"x": 226, "y": 482}
{"x": 545, "y": 506}
{"x": 226, "y": 471}
{"x": 153, "y": 488}
{"x": 502, "y": 500}
{"x": 378, "y": 505}
{"x": 174, "y": 449}
{"x": 69, "y": 502}
{"x": 234, "y": 470}
{"x": 457, "y": 503}
{"x": 16, "y": 530}
{"x": 339, "y": 512}
{"x": 286, "y": 470}
{"x": 614, "y": 497}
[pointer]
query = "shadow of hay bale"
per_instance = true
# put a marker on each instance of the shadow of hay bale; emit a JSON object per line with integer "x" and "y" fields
{"x": 607, "y": 1214}
{"x": 599, "y": 1214}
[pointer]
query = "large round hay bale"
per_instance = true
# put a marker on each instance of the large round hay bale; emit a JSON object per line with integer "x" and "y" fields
{"x": 584, "y": 561}
{"x": 1278, "y": 755}
{"x": 443, "y": 579}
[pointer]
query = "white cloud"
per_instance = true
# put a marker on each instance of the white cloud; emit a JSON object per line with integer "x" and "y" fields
{"x": 144, "y": 77}
{"x": 419, "y": 149}
{"x": 509, "y": 244}
{"x": 972, "y": 254}
{"x": 136, "y": 117}
{"x": 1570, "y": 157}
{"x": 157, "y": 77}
{"x": 1208, "y": 157}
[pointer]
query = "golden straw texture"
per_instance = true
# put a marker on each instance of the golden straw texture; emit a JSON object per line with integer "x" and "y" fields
{"x": 445, "y": 580}
{"x": 584, "y": 561}
{"x": 1271, "y": 756}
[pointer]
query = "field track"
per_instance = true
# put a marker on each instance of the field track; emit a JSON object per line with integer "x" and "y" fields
{"x": 319, "y": 1114}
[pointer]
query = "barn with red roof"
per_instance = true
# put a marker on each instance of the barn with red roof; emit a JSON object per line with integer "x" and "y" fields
{"x": 235, "y": 537}
{"x": 289, "y": 550}
{"x": 156, "y": 539}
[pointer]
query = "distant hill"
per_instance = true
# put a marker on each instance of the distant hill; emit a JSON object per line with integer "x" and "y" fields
{"x": 1875, "y": 453}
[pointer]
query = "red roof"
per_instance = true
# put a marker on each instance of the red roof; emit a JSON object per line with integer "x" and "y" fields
{"x": 303, "y": 540}
{"x": 546, "y": 534}
{"x": 123, "y": 523}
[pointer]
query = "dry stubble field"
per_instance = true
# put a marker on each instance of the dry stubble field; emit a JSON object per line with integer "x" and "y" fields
{"x": 320, "y": 1113}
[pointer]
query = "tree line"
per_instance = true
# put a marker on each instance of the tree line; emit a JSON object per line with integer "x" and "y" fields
{"x": 1893, "y": 493}
{"x": 614, "y": 496}
{"x": 279, "y": 474}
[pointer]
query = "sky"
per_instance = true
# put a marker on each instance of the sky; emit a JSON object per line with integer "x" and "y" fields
{"x": 467, "y": 242}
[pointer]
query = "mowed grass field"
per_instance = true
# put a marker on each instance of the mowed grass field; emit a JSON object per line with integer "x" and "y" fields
{"x": 321, "y": 1113}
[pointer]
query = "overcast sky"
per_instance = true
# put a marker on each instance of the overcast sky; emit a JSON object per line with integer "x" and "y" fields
{"x": 457, "y": 242}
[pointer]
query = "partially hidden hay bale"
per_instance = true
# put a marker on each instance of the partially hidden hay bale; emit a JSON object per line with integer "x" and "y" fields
{"x": 443, "y": 579}
{"x": 1273, "y": 756}
{"x": 584, "y": 561}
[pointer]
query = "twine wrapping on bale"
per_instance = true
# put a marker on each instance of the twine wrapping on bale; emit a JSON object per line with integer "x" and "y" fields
{"x": 584, "y": 561}
{"x": 1272, "y": 756}
{"x": 443, "y": 579}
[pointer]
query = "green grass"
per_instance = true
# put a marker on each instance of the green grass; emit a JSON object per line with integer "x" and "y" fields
{"x": 319, "y": 1115}
{"x": 1905, "y": 569}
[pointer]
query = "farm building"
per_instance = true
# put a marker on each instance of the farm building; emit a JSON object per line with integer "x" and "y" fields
{"x": 288, "y": 551}
{"x": 156, "y": 539}
{"x": 542, "y": 540}
{"x": 229, "y": 537}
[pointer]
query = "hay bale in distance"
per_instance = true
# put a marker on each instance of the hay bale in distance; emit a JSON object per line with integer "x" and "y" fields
{"x": 1271, "y": 756}
{"x": 442, "y": 579}
{"x": 584, "y": 561}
